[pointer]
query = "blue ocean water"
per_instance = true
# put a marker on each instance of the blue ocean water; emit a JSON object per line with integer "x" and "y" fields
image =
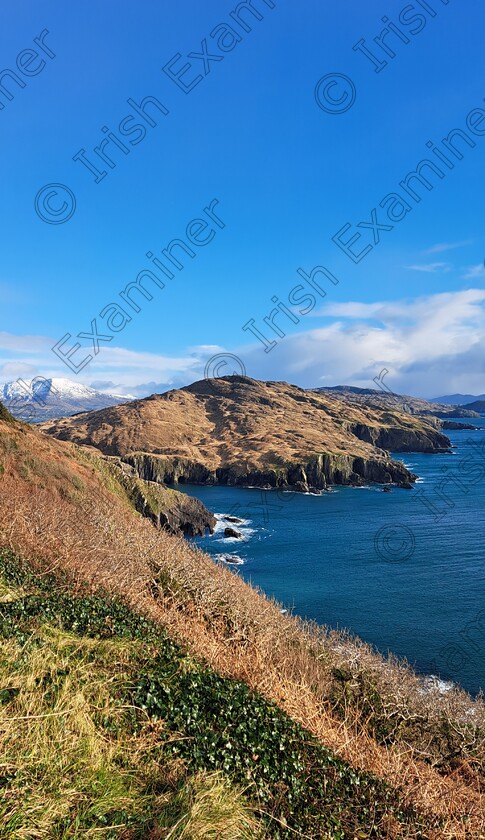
{"x": 403, "y": 570}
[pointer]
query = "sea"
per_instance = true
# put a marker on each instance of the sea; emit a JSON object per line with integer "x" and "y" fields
{"x": 403, "y": 570}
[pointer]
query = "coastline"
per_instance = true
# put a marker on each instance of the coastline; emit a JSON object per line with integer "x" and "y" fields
{"x": 340, "y": 582}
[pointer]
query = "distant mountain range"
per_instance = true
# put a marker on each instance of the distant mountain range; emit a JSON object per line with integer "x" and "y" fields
{"x": 459, "y": 399}
{"x": 399, "y": 402}
{"x": 478, "y": 405}
{"x": 42, "y": 399}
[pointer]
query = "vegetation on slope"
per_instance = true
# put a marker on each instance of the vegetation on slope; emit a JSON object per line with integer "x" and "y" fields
{"x": 5, "y": 415}
{"x": 396, "y": 402}
{"x": 64, "y": 512}
{"x": 165, "y": 507}
{"x": 78, "y": 758}
{"x": 107, "y": 725}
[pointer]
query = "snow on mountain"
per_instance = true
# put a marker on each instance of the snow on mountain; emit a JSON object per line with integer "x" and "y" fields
{"x": 43, "y": 399}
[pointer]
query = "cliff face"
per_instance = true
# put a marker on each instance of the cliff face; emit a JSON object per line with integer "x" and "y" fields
{"x": 402, "y": 440}
{"x": 166, "y": 508}
{"x": 316, "y": 473}
{"x": 238, "y": 431}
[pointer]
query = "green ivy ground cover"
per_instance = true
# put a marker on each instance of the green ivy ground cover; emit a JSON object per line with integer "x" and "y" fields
{"x": 215, "y": 724}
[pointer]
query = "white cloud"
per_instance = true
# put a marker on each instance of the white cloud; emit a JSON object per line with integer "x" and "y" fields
{"x": 431, "y": 344}
{"x": 432, "y": 268}
{"x": 16, "y": 370}
{"x": 30, "y": 356}
{"x": 474, "y": 271}
{"x": 24, "y": 343}
{"x": 446, "y": 246}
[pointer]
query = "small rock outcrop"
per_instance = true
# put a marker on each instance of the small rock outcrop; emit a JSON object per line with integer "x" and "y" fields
{"x": 231, "y": 532}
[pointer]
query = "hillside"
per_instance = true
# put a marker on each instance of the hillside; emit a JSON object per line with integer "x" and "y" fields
{"x": 478, "y": 406}
{"x": 140, "y": 740}
{"x": 397, "y": 402}
{"x": 236, "y": 430}
{"x": 147, "y": 691}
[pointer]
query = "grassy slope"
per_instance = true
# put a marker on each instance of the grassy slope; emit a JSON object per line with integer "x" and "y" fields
{"x": 61, "y": 511}
{"x": 78, "y": 758}
{"x": 108, "y": 725}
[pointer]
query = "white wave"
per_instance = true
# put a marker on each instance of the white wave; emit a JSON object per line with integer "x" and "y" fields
{"x": 241, "y": 527}
{"x": 246, "y": 534}
{"x": 435, "y": 683}
{"x": 230, "y": 559}
{"x": 223, "y": 522}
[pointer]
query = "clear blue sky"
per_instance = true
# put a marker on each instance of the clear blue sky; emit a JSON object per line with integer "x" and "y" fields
{"x": 287, "y": 176}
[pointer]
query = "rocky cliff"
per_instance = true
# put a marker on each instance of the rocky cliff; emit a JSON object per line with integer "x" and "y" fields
{"x": 239, "y": 431}
{"x": 166, "y": 508}
{"x": 394, "y": 439}
{"x": 315, "y": 473}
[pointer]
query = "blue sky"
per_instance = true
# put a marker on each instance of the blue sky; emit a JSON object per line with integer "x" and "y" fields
{"x": 287, "y": 176}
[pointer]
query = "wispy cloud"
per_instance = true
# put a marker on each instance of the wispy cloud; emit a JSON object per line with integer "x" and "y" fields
{"x": 115, "y": 369}
{"x": 475, "y": 271}
{"x": 431, "y": 268}
{"x": 446, "y": 246}
{"x": 24, "y": 343}
{"x": 29, "y": 356}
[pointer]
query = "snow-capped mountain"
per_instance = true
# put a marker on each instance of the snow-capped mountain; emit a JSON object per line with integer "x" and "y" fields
{"x": 43, "y": 399}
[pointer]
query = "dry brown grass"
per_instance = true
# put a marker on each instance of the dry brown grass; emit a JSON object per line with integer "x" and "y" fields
{"x": 242, "y": 422}
{"x": 90, "y": 535}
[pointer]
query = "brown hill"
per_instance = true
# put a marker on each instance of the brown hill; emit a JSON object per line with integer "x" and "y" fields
{"x": 236, "y": 430}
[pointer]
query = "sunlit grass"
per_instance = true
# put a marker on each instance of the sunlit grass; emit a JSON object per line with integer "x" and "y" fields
{"x": 72, "y": 763}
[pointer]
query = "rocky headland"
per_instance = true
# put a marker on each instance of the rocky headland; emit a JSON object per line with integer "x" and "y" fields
{"x": 175, "y": 512}
{"x": 239, "y": 431}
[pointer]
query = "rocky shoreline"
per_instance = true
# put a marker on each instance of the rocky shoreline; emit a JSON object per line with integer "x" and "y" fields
{"x": 317, "y": 473}
{"x": 452, "y": 426}
{"x": 241, "y": 432}
{"x": 395, "y": 439}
